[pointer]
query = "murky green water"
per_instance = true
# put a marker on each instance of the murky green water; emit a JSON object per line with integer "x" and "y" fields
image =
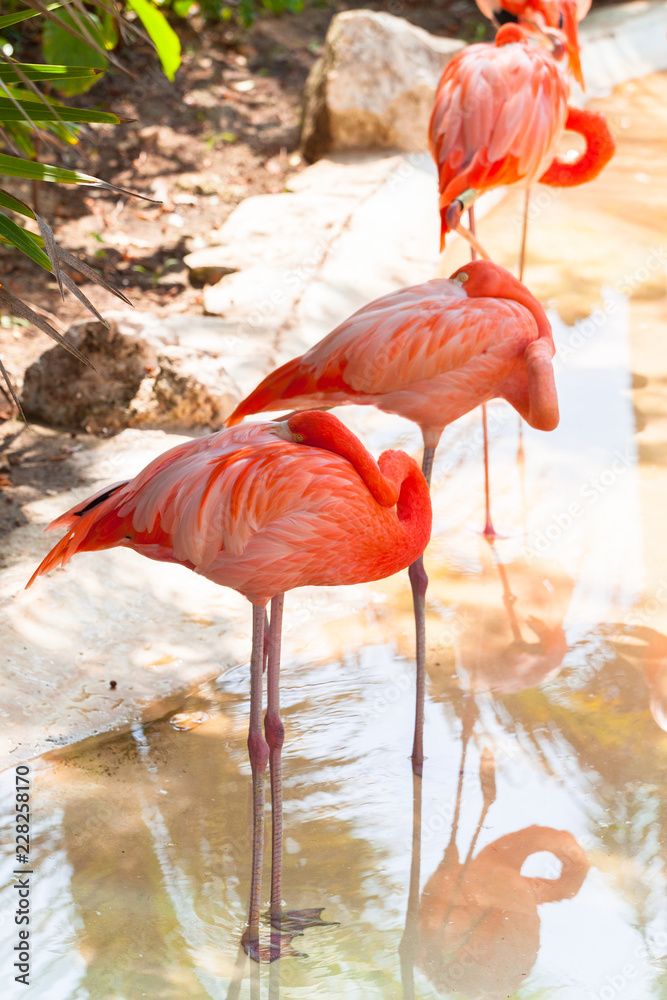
{"x": 543, "y": 835}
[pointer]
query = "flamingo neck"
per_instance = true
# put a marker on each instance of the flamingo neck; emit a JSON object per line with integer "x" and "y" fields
{"x": 491, "y": 281}
{"x": 413, "y": 505}
{"x": 519, "y": 293}
{"x": 513, "y": 849}
{"x": 322, "y": 430}
{"x": 599, "y": 150}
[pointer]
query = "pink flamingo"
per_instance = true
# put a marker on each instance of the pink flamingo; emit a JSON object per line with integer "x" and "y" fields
{"x": 263, "y": 509}
{"x": 499, "y": 113}
{"x": 429, "y": 353}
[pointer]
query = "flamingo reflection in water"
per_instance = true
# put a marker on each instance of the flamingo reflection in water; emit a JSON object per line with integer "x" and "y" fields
{"x": 476, "y": 928}
{"x": 512, "y": 636}
{"x": 646, "y": 649}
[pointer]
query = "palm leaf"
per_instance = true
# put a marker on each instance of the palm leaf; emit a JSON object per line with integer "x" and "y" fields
{"x": 163, "y": 36}
{"x": 8, "y": 19}
{"x": 45, "y": 113}
{"x": 70, "y": 260}
{"x": 10, "y": 387}
{"x": 38, "y": 71}
{"x": 20, "y": 239}
{"x": 15, "y": 166}
{"x": 52, "y": 251}
{"x": 8, "y": 200}
{"x": 18, "y": 307}
{"x": 84, "y": 37}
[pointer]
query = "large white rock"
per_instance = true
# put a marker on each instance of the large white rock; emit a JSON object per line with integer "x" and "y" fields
{"x": 374, "y": 85}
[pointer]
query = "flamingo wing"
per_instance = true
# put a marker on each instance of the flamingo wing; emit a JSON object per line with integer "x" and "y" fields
{"x": 253, "y": 510}
{"x": 412, "y": 336}
{"x": 210, "y": 497}
{"x": 223, "y": 490}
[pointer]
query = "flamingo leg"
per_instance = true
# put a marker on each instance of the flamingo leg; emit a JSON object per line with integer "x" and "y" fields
{"x": 475, "y": 245}
{"x": 453, "y": 221}
{"x": 407, "y": 949}
{"x": 419, "y": 583}
{"x": 521, "y": 463}
{"x": 488, "y": 526}
{"x": 259, "y": 755}
{"x": 275, "y": 737}
{"x": 266, "y": 641}
{"x": 524, "y": 233}
{"x": 509, "y": 599}
{"x": 489, "y": 530}
{"x": 522, "y": 262}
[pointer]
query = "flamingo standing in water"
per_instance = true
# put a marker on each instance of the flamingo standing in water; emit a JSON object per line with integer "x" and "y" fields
{"x": 499, "y": 113}
{"x": 551, "y": 18}
{"x": 262, "y": 509}
{"x": 430, "y": 353}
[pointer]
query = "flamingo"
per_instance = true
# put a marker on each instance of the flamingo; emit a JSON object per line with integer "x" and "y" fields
{"x": 486, "y": 907}
{"x": 430, "y": 353}
{"x": 262, "y": 509}
{"x": 553, "y": 18}
{"x": 499, "y": 113}
{"x": 482, "y": 905}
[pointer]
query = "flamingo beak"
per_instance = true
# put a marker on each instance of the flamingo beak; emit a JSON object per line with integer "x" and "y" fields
{"x": 280, "y": 429}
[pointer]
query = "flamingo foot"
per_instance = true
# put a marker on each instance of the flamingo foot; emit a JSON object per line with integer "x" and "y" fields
{"x": 285, "y": 926}
{"x": 266, "y": 952}
{"x": 296, "y": 921}
{"x": 490, "y": 532}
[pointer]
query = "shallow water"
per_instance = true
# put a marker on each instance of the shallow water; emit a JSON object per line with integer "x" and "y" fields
{"x": 545, "y": 720}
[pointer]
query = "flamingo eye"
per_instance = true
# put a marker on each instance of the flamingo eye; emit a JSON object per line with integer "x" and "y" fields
{"x": 462, "y": 276}
{"x": 298, "y": 438}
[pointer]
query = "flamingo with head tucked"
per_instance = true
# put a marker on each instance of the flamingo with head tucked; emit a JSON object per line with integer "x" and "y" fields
{"x": 430, "y": 353}
{"x": 500, "y": 111}
{"x": 263, "y": 508}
